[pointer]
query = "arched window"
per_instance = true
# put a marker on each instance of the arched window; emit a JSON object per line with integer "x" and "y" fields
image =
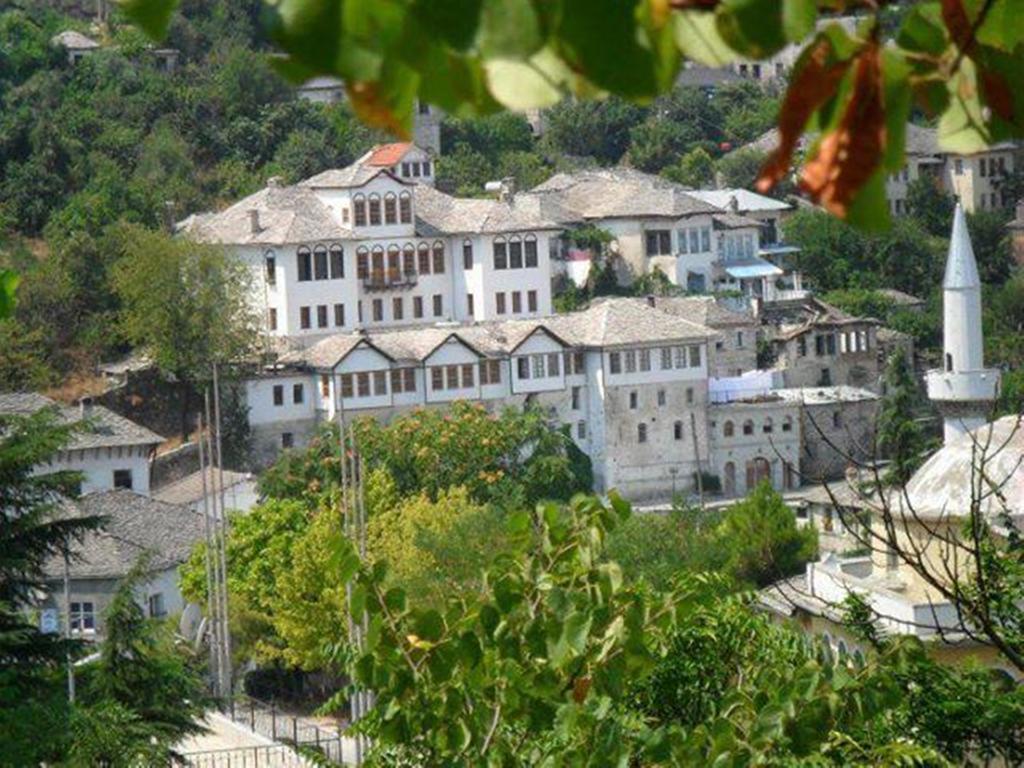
{"x": 728, "y": 429}
{"x": 362, "y": 263}
{"x": 730, "y": 478}
{"x": 394, "y": 271}
{"x": 424, "y": 258}
{"x": 438, "y": 257}
{"x": 530, "y": 248}
{"x": 768, "y": 426}
{"x": 405, "y": 207}
{"x": 758, "y": 469}
{"x": 337, "y": 261}
{"x": 515, "y": 252}
{"x": 320, "y": 262}
{"x": 377, "y": 261}
{"x": 787, "y": 424}
{"x": 748, "y": 427}
{"x": 390, "y": 210}
{"x": 826, "y": 647}
{"x": 359, "y": 210}
{"x": 858, "y": 658}
{"x": 467, "y": 254}
{"x": 841, "y": 646}
{"x": 305, "y": 263}
{"x": 409, "y": 259}
{"x": 270, "y": 267}
{"x": 500, "y": 253}
{"x": 374, "y": 210}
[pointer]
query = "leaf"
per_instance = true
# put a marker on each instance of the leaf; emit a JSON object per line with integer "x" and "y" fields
{"x": 394, "y": 599}
{"x": 847, "y": 157}
{"x": 376, "y": 107}
{"x": 754, "y": 28}
{"x": 519, "y": 85}
{"x": 508, "y": 28}
{"x": 153, "y": 16}
{"x": 453, "y": 21}
{"x": 429, "y": 625}
{"x": 798, "y": 19}
{"x": 815, "y": 78}
{"x": 962, "y": 128}
{"x": 697, "y": 36}
{"x": 9, "y": 280}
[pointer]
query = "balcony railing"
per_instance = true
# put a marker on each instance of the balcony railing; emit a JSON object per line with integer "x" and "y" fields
{"x": 390, "y": 280}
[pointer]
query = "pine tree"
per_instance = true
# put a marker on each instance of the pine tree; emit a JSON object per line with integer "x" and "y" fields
{"x": 900, "y": 438}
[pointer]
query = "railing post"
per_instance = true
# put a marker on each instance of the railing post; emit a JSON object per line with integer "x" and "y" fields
{"x": 295, "y": 730}
{"x": 252, "y": 715}
{"x": 273, "y": 721}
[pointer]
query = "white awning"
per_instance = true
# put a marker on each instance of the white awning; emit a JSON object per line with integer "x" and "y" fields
{"x": 750, "y": 268}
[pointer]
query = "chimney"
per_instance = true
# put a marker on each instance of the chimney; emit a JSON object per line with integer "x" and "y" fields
{"x": 734, "y": 204}
{"x": 85, "y": 407}
{"x": 254, "y": 221}
{"x": 274, "y": 182}
{"x": 505, "y": 189}
{"x": 650, "y": 300}
{"x": 169, "y": 216}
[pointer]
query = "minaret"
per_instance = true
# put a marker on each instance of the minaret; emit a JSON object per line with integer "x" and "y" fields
{"x": 963, "y": 389}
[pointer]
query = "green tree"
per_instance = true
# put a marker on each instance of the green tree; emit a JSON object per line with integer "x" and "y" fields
{"x": 186, "y": 305}
{"x": 991, "y": 243}
{"x": 741, "y": 167}
{"x": 900, "y": 437}
{"x": 656, "y": 144}
{"x": 597, "y": 129}
{"x": 694, "y": 169}
{"x": 930, "y": 205}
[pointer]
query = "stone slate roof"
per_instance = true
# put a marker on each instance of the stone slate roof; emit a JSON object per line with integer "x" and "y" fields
{"x": 746, "y": 201}
{"x": 189, "y": 489}
{"x": 74, "y": 41}
{"x": 703, "y": 310}
{"x": 135, "y": 524}
{"x": 899, "y": 297}
{"x": 808, "y": 314}
{"x": 607, "y": 323}
{"x": 438, "y": 214}
{"x": 100, "y": 427}
{"x": 355, "y": 175}
{"x": 615, "y": 192}
{"x": 285, "y": 215}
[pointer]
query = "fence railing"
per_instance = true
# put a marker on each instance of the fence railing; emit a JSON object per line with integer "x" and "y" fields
{"x": 263, "y": 756}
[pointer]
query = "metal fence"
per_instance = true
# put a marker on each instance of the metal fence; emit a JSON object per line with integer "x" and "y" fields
{"x": 265, "y": 756}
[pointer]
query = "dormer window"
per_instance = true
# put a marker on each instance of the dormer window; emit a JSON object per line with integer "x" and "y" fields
{"x": 426, "y": 168}
{"x": 405, "y": 207}
{"x": 374, "y": 210}
{"x": 405, "y": 171}
{"x": 359, "y": 208}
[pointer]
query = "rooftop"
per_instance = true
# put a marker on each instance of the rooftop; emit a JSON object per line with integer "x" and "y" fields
{"x": 387, "y": 155}
{"x": 438, "y": 213}
{"x": 74, "y": 41}
{"x": 825, "y": 395}
{"x": 135, "y": 525}
{"x": 190, "y": 488}
{"x": 100, "y": 427}
{"x": 746, "y": 201}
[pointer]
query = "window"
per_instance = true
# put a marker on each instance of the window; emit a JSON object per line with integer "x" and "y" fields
{"x": 278, "y": 394}
{"x": 272, "y": 319}
{"x": 826, "y": 378}
{"x": 554, "y": 363}
{"x": 581, "y": 430}
{"x": 575, "y": 398}
{"x": 578, "y": 364}
{"x": 394, "y": 272}
{"x": 677, "y": 430}
{"x": 426, "y": 167}
{"x": 467, "y": 377}
{"x": 339, "y": 315}
{"x": 417, "y": 307}
{"x": 320, "y": 263}
{"x": 739, "y": 339}
{"x": 958, "y": 166}
{"x": 337, "y": 261}
{"x": 123, "y": 478}
{"x": 363, "y": 384}
{"x": 380, "y": 382}
{"x": 728, "y": 430}
{"x": 837, "y": 419}
{"x": 409, "y": 379}
{"x": 346, "y": 385}
{"x": 378, "y": 310}
{"x": 500, "y": 254}
{"x": 661, "y": 398}
{"x": 634, "y": 400}
{"x": 359, "y": 210}
{"x": 305, "y": 264}
{"x": 705, "y": 239}
{"x": 681, "y": 240}
{"x": 416, "y": 170}
{"x": 531, "y": 301}
{"x": 630, "y": 356}
{"x": 689, "y": 395}
{"x": 469, "y": 305}
{"x": 397, "y": 308}
{"x": 362, "y": 263}
{"x": 666, "y": 358}
{"x": 83, "y": 617}
{"x": 409, "y": 260}
{"x": 801, "y": 346}
{"x": 467, "y": 254}
{"x": 983, "y": 166}
{"x": 694, "y": 356}
{"x": 325, "y": 385}
{"x": 694, "y": 240}
{"x": 270, "y": 268}
{"x": 304, "y": 321}
{"x": 517, "y": 302}
{"x": 405, "y": 207}
{"x": 787, "y": 424}
{"x": 374, "y": 210}
{"x": 287, "y": 440}
{"x": 499, "y": 303}
{"x": 659, "y": 242}
{"x": 538, "y": 366}
{"x": 645, "y": 359}
{"x": 615, "y": 362}
{"x": 515, "y": 253}
{"x": 155, "y": 604}
{"x": 437, "y": 378}
{"x": 748, "y": 427}
{"x": 438, "y": 305}
{"x": 531, "y": 251}
{"x": 523, "y": 367}
{"x": 298, "y": 394}
{"x": 768, "y": 427}
{"x": 423, "y": 253}
{"x": 490, "y": 372}
{"x": 406, "y": 173}
{"x": 438, "y": 258}
{"x": 641, "y": 433}
{"x": 396, "y": 380}
{"x": 452, "y": 375}
{"x": 390, "y": 208}
{"x": 377, "y": 265}
{"x": 321, "y": 316}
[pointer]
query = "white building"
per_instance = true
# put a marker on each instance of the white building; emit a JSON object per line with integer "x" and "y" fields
{"x": 362, "y": 247}
{"x": 107, "y": 449}
{"x": 963, "y": 389}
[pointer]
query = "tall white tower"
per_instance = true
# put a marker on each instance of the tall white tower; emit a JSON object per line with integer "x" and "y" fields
{"x": 963, "y": 389}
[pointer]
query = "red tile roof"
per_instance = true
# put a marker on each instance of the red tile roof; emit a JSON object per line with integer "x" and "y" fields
{"x": 388, "y": 154}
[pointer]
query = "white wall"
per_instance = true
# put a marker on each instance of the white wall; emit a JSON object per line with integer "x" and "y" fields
{"x": 260, "y": 399}
{"x": 97, "y": 466}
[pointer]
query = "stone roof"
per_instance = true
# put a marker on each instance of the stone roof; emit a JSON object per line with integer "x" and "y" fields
{"x": 615, "y": 193}
{"x": 899, "y": 297}
{"x": 746, "y": 201}
{"x": 189, "y": 489}
{"x": 606, "y": 323}
{"x": 99, "y": 426}
{"x": 283, "y": 215}
{"x": 355, "y": 175}
{"x": 438, "y": 214}
{"x": 809, "y": 314}
{"x": 135, "y": 524}
{"x": 74, "y": 41}
{"x": 703, "y": 310}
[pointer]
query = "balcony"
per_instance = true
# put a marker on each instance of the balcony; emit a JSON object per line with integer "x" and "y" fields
{"x": 392, "y": 280}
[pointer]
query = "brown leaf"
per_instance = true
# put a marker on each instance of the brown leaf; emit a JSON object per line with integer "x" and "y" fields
{"x": 580, "y": 688}
{"x": 372, "y": 109}
{"x": 997, "y": 94}
{"x": 848, "y": 156}
{"x": 815, "y": 80}
{"x": 958, "y": 23}
{"x": 689, "y": 5}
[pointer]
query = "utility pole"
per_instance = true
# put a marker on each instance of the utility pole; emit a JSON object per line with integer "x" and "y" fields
{"x": 212, "y": 602}
{"x": 223, "y": 526}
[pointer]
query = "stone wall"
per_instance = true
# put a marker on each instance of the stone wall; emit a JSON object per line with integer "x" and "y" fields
{"x": 174, "y": 465}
